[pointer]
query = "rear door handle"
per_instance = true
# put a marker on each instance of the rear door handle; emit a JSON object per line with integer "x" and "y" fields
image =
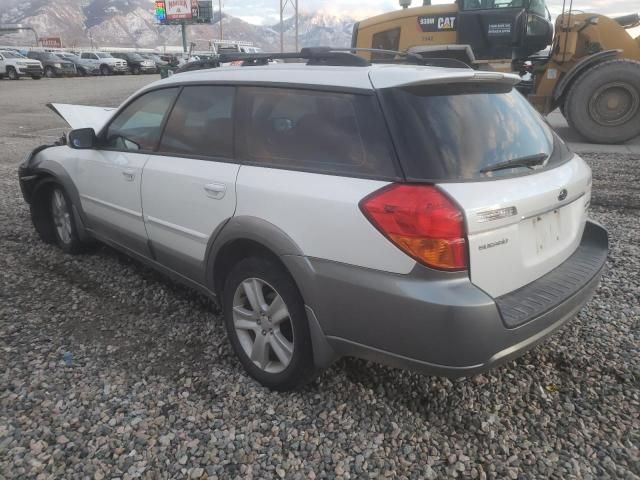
{"x": 129, "y": 175}
{"x": 215, "y": 190}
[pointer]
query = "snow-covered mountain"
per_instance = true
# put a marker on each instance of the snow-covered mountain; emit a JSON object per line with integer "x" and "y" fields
{"x": 132, "y": 23}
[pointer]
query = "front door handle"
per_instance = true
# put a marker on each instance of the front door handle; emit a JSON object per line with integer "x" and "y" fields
{"x": 215, "y": 190}
{"x": 129, "y": 175}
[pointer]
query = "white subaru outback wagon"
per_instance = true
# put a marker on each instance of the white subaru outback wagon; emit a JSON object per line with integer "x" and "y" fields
{"x": 422, "y": 217}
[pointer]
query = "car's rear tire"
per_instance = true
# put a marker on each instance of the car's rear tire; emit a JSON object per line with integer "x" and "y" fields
{"x": 62, "y": 221}
{"x": 12, "y": 74}
{"x": 266, "y": 323}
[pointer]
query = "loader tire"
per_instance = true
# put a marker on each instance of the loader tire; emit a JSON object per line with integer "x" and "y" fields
{"x": 603, "y": 105}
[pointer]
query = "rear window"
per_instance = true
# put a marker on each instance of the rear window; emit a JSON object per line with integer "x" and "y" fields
{"x": 454, "y": 132}
{"x": 317, "y": 131}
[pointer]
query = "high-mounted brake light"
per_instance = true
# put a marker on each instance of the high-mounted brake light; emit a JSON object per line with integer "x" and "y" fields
{"x": 422, "y": 222}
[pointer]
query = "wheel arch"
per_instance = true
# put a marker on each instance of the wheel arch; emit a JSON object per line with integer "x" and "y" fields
{"x": 564, "y": 85}
{"x": 44, "y": 174}
{"x": 244, "y": 236}
{"x": 240, "y": 237}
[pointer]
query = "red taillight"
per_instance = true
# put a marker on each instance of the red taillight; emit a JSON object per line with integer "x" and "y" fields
{"x": 422, "y": 222}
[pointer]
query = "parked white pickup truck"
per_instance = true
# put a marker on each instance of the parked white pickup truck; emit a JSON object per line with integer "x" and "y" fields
{"x": 105, "y": 62}
{"x": 14, "y": 66}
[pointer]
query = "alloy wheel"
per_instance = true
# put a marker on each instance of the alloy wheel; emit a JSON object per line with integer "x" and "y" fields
{"x": 61, "y": 216}
{"x": 263, "y": 325}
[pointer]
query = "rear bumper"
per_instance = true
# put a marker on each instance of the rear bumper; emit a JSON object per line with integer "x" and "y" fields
{"x": 438, "y": 323}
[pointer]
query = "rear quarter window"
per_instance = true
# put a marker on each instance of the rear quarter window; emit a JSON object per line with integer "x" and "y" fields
{"x": 452, "y": 132}
{"x": 317, "y": 131}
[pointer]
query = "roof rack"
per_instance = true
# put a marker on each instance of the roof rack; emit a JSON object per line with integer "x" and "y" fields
{"x": 323, "y": 56}
{"x": 314, "y": 55}
{"x": 343, "y": 57}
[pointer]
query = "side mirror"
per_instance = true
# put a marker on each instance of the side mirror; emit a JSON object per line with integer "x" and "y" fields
{"x": 82, "y": 138}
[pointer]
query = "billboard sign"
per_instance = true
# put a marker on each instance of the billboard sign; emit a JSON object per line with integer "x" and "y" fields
{"x": 178, "y": 9}
{"x": 51, "y": 42}
{"x": 176, "y": 12}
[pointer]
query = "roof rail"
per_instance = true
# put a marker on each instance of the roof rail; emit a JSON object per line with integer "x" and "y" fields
{"x": 314, "y": 55}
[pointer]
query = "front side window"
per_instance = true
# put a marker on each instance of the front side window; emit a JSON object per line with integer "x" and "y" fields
{"x": 138, "y": 126}
{"x": 323, "y": 132}
{"x": 462, "y": 131}
{"x": 201, "y": 123}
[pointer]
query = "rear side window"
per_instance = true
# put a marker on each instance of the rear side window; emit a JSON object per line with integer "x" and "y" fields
{"x": 138, "y": 126}
{"x": 322, "y": 132}
{"x": 460, "y": 131}
{"x": 201, "y": 123}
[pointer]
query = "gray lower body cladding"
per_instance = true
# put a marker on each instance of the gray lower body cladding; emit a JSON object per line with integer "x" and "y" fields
{"x": 433, "y": 322}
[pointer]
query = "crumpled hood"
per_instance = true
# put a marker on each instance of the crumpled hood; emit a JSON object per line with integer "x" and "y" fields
{"x": 83, "y": 116}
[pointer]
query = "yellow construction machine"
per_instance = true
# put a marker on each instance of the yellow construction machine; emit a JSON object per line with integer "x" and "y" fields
{"x": 591, "y": 70}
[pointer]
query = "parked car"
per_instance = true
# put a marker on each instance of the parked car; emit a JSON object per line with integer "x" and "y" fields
{"x": 422, "y": 217}
{"x": 137, "y": 64}
{"x": 53, "y": 65}
{"x": 156, "y": 59}
{"x": 14, "y": 66}
{"x": 84, "y": 67}
{"x": 107, "y": 64}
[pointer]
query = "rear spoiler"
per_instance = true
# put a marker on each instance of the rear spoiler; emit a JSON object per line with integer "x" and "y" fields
{"x": 460, "y": 76}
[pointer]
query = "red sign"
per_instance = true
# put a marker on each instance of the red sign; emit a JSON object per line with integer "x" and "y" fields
{"x": 51, "y": 42}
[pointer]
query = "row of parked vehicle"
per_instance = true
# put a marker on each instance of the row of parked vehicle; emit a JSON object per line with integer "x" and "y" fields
{"x": 17, "y": 63}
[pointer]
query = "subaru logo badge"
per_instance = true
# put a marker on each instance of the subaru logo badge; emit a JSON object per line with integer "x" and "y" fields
{"x": 563, "y": 194}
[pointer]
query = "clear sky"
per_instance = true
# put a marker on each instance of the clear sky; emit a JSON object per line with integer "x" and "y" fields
{"x": 266, "y": 11}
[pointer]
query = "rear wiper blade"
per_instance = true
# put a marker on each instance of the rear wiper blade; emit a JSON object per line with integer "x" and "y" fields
{"x": 529, "y": 161}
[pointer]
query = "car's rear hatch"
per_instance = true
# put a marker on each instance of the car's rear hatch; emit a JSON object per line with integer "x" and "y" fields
{"x": 523, "y": 218}
{"x": 519, "y": 229}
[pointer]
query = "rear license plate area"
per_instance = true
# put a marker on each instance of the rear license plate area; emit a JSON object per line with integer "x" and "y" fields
{"x": 547, "y": 230}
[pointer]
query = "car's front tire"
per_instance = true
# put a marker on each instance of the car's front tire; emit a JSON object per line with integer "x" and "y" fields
{"x": 12, "y": 74}
{"x": 63, "y": 222}
{"x": 266, "y": 323}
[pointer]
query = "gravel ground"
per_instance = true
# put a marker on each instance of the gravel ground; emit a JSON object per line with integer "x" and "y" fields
{"x": 111, "y": 370}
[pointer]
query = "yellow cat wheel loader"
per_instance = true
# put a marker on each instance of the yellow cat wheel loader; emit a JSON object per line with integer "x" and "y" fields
{"x": 591, "y": 70}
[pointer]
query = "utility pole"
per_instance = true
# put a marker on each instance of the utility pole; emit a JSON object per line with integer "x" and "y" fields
{"x": 184, "y": 36}
{"x": 283, "y": 6}
{"x": 220, "y": 23}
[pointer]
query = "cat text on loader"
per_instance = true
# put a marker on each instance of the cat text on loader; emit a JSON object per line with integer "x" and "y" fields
{"x": 591, "y": 72}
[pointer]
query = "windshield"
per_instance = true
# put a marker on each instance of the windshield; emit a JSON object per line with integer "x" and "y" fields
{"x": 135, "y": 57}
{"x": 11, "y": 55}
{"x": 104, "y": 55}
{"x": 50, "y": 57}
{"x": 459, "y": 131}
